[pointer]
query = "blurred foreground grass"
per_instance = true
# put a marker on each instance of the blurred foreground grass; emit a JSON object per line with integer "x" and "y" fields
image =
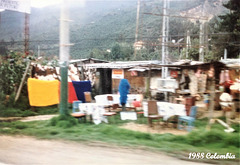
{"x": 199, "y": 140}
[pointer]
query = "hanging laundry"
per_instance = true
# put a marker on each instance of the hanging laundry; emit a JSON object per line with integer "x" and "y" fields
{"x": 72, "y": 96}
{"x": 185, "y": 80}
{"x": 225, "y": 80}
{"x": 222, "y": 77}
{"x": 193, "y": 87}
{"x": 81, "y": 87}
{"x": 227, "y": 75}
{"x": 202, "y": 82}
{"x": 42, "y": 92}
{"x": 198, "y": 73}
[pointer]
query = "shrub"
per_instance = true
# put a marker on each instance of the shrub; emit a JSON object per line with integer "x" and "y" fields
{"x": 204, "y": 138}
{"x": 54, "y": 132}
{"x": 195, "y": 138}
{"x": 232, "y": 139}
{"x": 20, "y": 125}
{"x": 27, "y": 113}
{"x": 64, "y": 121}
{"x": 22, "y": 103}
{"x": 6, "y": 112}
{"x": 236, "y": 127}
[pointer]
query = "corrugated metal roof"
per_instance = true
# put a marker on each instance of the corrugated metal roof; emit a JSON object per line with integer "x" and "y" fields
{"x": 87, "y": 59}
{"x": 145, "y": 65}
{"x": 232, "y": 63}
{"x": 122, "y": 64}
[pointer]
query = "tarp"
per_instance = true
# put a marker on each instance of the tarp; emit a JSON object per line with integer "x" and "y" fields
{"x": 80, "y": 88}
{"x": 42, "y": 92}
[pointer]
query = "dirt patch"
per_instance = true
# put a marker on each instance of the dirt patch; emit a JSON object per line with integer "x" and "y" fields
{"x": 34, "y": 118}
{"x": 23, "y": 150}
{"x": 27, "y": 119}
{"x": 156, "y": 129}
{"x": 9, "y": 119}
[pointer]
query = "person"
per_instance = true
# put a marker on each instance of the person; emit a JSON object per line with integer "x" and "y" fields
{"x": 123, "y": 89}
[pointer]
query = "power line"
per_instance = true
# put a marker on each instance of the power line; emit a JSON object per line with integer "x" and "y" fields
{"x": 130, "y": 38}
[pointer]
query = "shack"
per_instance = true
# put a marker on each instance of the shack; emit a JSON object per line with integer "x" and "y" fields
{"x": 108, "y": 75}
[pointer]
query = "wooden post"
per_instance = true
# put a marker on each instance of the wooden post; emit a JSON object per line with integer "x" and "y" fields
{"x": 148, "y": 92}
{"x": 22, "y": 81}
{"x": 212, "y": 102}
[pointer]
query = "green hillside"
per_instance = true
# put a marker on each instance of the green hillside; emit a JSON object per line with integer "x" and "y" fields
{"x": 97, "y": 26}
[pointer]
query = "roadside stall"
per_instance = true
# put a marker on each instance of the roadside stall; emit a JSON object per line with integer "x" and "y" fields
{"x": 230, "y": 83}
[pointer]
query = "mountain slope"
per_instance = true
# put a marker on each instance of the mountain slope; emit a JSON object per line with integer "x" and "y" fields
{"x": 99, "y": 24}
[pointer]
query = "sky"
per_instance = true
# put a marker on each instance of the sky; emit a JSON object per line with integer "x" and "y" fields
{"x": 43, "y": 3}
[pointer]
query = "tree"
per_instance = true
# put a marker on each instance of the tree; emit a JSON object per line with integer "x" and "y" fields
{"x": 11, "y": 71}
{"x": 99, "y": 54}
{"x": 121, "y": 52}
{"x": 116, "y": 53}
{"x": 230, "y": 23}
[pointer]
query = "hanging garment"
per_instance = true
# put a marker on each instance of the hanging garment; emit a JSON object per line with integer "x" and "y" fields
{"x": 182, "y": 82}
{"x": 222, "y": 77}
{"x": 42, "y": 92}
{"x": 193, "y": 87}
{"x": 72, "y": 96}
{"x": 202, "y": 81}
{"x": 227, "y": 75}
{"x": 81, "y": 87}
{"x": 123, "y": 88}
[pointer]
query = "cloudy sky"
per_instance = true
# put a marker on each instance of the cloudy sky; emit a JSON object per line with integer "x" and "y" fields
{"x": 43, "y": 3}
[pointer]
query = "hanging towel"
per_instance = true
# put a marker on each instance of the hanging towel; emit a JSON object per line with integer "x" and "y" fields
{"x": 71, "y": 93}
{"x": 81, "y": 87}
{"x": 43, "y": 92}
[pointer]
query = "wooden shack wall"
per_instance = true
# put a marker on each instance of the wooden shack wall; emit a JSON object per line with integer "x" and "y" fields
{"x": 137, "y": 82}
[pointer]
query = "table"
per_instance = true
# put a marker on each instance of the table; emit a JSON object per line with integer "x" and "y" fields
{"x": 102, "y": 99}
{"x": 167, "y": 109}
{"x": 95, "y": 110}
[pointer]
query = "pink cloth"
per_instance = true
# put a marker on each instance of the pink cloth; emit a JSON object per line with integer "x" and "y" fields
{"x": 222, "y": 79}
{"x": 136, "y": 103}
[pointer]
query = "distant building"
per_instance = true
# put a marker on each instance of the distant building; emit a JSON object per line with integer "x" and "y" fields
{"x": 139, "y": 45}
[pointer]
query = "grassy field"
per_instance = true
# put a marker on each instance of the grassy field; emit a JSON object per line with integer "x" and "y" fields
{"x": 199, "y": 140}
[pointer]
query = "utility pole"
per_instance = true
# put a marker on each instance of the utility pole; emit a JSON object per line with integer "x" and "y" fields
{"x": 38, "y": 51}
{"x": 136, "y": 34}
{"x": 206, "y": 37}
{"x": 26, "y": 30}
{"x": 203, "y": 35}
{"x": 188, "y": 43}
{"x": 201, "y": 43}
{"x": 64, "y": 56}
{"x": 165, "y": 32}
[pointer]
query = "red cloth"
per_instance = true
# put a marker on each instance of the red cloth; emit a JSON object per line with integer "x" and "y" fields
{"x": 71, "y": 93}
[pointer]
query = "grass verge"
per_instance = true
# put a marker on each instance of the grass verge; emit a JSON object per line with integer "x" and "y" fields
{"x": 199, "y": 140}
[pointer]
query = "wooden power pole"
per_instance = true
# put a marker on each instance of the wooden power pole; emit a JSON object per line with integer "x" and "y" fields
{"x": 137, "y": 24}
{"x": 26, "y": 30}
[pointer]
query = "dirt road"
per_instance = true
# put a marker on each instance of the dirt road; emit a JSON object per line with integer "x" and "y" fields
{"x": 24, "y": 150}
